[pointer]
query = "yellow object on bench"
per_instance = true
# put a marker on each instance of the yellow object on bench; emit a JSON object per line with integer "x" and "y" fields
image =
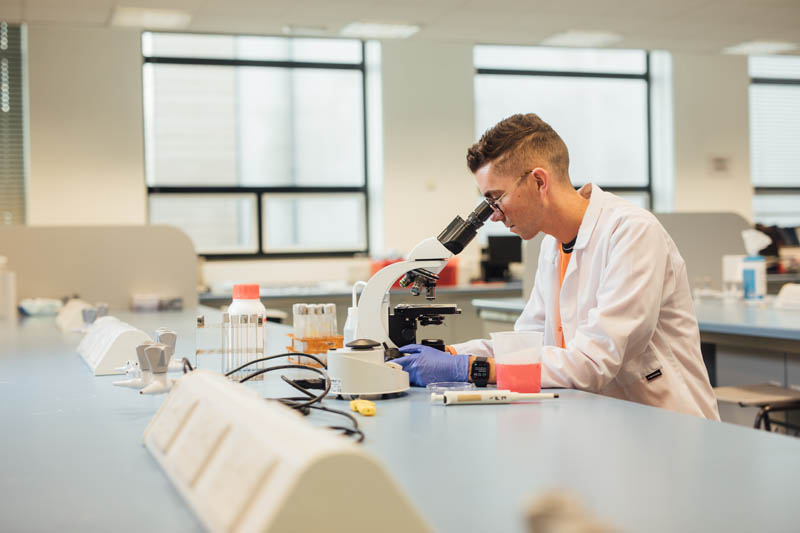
{"x": 365, "y": 407}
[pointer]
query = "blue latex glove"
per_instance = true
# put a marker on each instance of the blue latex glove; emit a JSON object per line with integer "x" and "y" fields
{"x": 429, "y": 365}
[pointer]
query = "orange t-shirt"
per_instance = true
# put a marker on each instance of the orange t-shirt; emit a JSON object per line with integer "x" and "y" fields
{"x": 563, "y": 262}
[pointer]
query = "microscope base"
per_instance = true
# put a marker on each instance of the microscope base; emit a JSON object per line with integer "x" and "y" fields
{"x": 362, "y": 373}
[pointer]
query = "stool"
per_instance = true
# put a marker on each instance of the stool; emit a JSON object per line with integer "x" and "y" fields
{"x": 768, "y": 397}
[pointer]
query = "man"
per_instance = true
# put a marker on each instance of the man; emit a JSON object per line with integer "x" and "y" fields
{"x": 611, "y": 293}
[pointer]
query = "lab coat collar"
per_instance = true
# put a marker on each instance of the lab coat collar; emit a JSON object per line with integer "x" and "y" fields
{"x": 592, "y": 214}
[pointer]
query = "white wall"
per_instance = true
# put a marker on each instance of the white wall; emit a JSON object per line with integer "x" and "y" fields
{"x": 87, "y": 162}
{"x": 86, "y": 148}
{"x": 428, "y": 121}
{"x": 711, "y": 121}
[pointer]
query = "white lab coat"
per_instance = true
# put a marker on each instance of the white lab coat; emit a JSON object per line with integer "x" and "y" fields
{"x": 626, "y": 312}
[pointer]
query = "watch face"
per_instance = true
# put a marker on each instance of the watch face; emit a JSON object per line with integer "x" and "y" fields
{"x": 480, "y": 371}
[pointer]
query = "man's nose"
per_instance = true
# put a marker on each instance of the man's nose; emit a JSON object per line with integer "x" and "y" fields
{"x": 496, "y": 215}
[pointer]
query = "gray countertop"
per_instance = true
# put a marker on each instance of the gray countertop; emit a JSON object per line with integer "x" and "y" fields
{"x": 73, "y": 458}
{"x": 713, "y": 316}
{"x": 323, "y": 291}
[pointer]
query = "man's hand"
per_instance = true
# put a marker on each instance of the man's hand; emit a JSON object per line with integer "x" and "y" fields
{"x": 429, "y": 365}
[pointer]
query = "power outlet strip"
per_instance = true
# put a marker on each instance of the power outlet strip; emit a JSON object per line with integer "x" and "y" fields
{"x": 246, "y": 464}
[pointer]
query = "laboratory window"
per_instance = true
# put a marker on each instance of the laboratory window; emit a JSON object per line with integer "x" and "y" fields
{"x": 257, "y": 146}
{"x": 774, "y": 130}
{"x": 597, "y": 101}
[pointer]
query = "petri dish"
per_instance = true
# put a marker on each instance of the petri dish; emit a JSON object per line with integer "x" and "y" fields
{"x": 444, "y": 386}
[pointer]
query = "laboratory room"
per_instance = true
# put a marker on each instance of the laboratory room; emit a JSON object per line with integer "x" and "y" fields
{"x": 395, "y": 266}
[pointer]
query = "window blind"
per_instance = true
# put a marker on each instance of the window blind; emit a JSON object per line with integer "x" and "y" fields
{"x": 774, "y": 134}
{"x": 12, "y": 141}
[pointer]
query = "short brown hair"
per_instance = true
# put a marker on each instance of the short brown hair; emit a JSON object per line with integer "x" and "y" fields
{"x": 519, "y": 141}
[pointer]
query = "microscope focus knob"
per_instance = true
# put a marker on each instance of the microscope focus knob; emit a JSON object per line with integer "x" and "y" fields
{"x": 362, "y": 344}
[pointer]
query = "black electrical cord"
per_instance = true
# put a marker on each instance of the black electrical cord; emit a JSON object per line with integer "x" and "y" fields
{"x": 187, "y": 365}
{"x": 269, "y": 357}
{"x": 347, "y": 431}
{"x": 310, "y": 400}
{"x": 315, "y": 398}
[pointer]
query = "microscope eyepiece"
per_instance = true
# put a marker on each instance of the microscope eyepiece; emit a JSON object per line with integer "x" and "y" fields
{"x": 460, "y": 232}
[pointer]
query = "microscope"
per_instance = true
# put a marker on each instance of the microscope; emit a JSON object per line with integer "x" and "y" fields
{"x": 361, "y": 368}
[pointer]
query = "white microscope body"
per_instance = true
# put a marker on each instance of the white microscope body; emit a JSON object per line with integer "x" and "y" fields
{"x": 373, "y": 306}
{"x": 360, "y": 367}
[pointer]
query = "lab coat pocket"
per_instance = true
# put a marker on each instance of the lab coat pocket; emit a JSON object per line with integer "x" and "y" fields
{"x": 645, "y": 366}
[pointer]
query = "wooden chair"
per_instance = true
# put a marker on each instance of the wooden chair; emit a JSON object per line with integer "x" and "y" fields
{"x": 768, "y": 397}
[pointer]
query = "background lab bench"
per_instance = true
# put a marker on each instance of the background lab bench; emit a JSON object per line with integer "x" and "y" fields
{"x": 73, "y": 459}
{"x": 454, "y": 329}
{"x": 742, "y": 343}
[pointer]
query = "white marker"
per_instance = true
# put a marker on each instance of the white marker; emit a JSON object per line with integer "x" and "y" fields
{"x": 488, "y": 396}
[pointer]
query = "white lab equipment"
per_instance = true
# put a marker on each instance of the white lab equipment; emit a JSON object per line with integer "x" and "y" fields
{"x": 245, "y": 330}
{"x": 8, "y": 291}
{"x": 754, "y": 277}
{"x": 108, "y": 343}
{"x": 488, "y": 396}
{"x": 351, "y": 323}
{"x": 788, "y": 297}
{"x": 359, "y": 369}
{"x": 70, "y": 316}
{"x": 244, "y": 464}
{"x": 732, "y": 277}
{"x": 158, "y": 356}
{"x": 40, "y": 306}
{"x": 420, "y": 271}
{"x": 170, "y": 338}
{"x": 130, "y": 368}
{"x": 89, "y": 315}
{"x": 145, "y": 375}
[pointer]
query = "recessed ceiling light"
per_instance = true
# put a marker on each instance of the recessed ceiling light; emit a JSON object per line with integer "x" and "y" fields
{"x": 377, "y": 30}
{"x": 291, "y": 29}
{"x": 582, "y": 39}
{"x": 156, "y": 19}
{"x": 760, "y": 48}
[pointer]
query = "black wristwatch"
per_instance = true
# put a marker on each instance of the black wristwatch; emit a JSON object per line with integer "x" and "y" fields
{"x": 480, "y": 371}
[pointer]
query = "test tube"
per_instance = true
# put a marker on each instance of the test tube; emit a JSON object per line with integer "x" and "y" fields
{"x": 300, "y": 312}
{"x": 244, "y": 344}
{"x": 323, "y": 320}
{"x": 333, "y": 327}
{"x": 312, "y": 323}
{"x": 199, "y": 336}
{"x": 225, "y": 342}
{"x": 261, "y": 338}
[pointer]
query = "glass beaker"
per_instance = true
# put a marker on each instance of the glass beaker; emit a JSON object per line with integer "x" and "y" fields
{"x": 518, "y": 360}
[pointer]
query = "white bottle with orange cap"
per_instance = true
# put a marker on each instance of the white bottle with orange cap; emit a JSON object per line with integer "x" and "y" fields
{"x": 247, "y": 300}
{"x": 247, "y": 334}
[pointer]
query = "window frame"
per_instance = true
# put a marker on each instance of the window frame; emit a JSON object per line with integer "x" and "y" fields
{"x": 260, "y": 191}
{"x": 645, "y": 76}
{"x": 768, "y": 190}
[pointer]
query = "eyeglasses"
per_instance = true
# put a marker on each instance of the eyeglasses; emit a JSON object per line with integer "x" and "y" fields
{"x": 494, "y": 203}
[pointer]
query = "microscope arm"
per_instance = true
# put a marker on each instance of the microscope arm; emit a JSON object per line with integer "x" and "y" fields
{"x": 373, "y": 305}
{"x": 431, "y": 255}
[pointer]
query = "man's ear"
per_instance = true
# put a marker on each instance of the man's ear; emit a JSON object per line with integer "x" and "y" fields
{"x": 541, "y": 178}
